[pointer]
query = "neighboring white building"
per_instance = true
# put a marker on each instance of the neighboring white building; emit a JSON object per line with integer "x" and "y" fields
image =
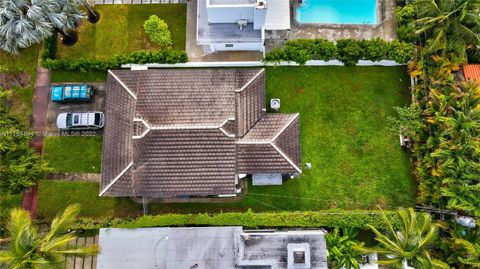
{"x": 239, "y": 25}
{"x": 210, "y": 248}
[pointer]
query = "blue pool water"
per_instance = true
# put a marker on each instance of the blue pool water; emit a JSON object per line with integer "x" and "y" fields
{"x": 338, "y": 11}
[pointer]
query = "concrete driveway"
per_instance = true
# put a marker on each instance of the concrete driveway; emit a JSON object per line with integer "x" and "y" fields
{"x": 97, "y": 104}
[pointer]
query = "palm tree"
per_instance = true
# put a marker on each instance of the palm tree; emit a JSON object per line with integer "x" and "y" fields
{"x": 29, "y": 250}
{"x": 450, "y": 26}
{"x": 27, "y": 22}
{"x": 93, "y": 15}
{"x": 343, "y": 251}
{"x": 409, "y": 245}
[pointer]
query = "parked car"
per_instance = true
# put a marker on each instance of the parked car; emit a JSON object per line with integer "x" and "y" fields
{"x": 81, "y": 120}
{"x": 72, "y": 93}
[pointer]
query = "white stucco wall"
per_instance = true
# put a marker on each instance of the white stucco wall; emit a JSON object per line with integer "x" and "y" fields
{"x": 252, "y": 46}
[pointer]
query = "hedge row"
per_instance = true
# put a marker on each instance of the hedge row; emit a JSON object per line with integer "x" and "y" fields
{"x": 348, "y": 51}
{"x": 136, "y": 57}
{"x": 308, "y": 219}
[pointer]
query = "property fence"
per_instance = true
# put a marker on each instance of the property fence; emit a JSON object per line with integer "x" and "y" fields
{"x": 123, "y": 2}
{"x": 256, "y": 64}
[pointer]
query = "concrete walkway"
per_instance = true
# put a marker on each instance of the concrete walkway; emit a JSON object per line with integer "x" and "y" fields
{"x": 38, "y": 123}
{"x": 85, "y": 177}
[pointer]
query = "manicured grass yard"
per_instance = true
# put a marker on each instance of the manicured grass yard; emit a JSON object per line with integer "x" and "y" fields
{"x": 25, "y": 61}
{"x": 120, "y": 31}
{"x": 356, "y": 162}
{"x": 54, "y": 196}
{"x": 80, "y": 154}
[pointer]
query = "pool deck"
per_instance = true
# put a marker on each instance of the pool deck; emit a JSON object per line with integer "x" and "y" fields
{"x": 386, "y": 29}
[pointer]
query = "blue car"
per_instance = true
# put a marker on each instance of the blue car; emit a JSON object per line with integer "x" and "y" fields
{"x": 72, "y": 93}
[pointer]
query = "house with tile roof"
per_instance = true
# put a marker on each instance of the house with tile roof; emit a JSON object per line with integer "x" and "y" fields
{"x": 192, "y": 132}
{"x": 471, "y": 72}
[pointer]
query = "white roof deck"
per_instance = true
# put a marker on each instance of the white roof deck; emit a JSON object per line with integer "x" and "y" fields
{"x": 278, "y": 15}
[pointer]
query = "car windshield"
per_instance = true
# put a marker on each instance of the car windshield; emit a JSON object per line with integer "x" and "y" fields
{"x": 69, "y": 120}
{"x": 97, "y": 119}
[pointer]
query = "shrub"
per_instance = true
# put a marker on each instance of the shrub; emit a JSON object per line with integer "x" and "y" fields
{"x": 136, "y": 57}
{"x": 374, "y": 50}
{"x": 406, "y": 23}
{"x": 249, "y": 219}
{"x": 49, "y": 47}
{"x": 349, "y": 51}
{"x": 400, "y": 52}
{"x": 157, "y": 31}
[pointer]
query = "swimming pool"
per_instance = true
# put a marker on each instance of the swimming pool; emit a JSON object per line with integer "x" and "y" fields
{"x": 337, "y": 11}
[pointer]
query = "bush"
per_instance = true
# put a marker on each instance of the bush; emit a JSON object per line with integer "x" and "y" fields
{"x": 310, "y": 219}
{"x": 406, "y": 23}
{"x": 157, "y": 31}
{"x": 136, "y": 57}
{"x": 374, "y": 50}
{"x": 49, "y": 47}
{"x": 400, "y": 52}
{"x": 349, "y": 51}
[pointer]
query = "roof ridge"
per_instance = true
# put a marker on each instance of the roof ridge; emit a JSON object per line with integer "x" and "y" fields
{"x": 285, "y": 157}
{"x": 280, "y": 132}
{"x": 116, "y": 179}
{"x": 250, "y": 81}
{"x": 122, "y": 84}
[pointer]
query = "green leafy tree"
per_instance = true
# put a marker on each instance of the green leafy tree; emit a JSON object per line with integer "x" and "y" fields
{"x": 450, "y": 26}
{"x": 410, "y": 244}
{"x": 30, "y": 250}
{"x": 343, "y": 250}
{"x": 20, "y": 166}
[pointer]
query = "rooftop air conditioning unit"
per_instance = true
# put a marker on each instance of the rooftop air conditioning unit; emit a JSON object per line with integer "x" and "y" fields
{"x": 261, "y": 4}
{"x": 275, "y": 104}
{"x": 242, "y": 23}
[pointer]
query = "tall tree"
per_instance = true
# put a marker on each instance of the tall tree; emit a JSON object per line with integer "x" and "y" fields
{"x": 450, "y": 26}
{"x": 29, "y": 250}
{"x": 410, "y": 244}
{"x": 27, "y": 22}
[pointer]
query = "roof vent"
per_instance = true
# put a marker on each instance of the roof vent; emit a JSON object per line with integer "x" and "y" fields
{"x": 261, "y": 4}
{"x": 242, "y": 23}
{"x": 275, "y": 104}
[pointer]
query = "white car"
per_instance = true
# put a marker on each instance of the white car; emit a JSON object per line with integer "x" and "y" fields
{"x": 81, "y": 120}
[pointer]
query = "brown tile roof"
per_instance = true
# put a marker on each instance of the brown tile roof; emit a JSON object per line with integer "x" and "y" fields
{"x": 176, "y": 132}
{"x": 250, "y": 103}
{"x": 471, "y": 71}
{"x": 271, "y": 146}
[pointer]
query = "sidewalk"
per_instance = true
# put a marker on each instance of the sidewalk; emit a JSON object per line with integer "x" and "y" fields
{"x": 38, "y": 123}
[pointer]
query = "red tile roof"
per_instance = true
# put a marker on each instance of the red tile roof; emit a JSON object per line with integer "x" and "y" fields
{"x": 471, "y": 71}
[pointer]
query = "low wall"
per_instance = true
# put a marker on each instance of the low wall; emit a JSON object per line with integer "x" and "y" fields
{"x": 257, "y": 63}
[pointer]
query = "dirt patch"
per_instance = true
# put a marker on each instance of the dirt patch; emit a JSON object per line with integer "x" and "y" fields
{"x": 300, "y": 91}
{"x": 14, "y": 80}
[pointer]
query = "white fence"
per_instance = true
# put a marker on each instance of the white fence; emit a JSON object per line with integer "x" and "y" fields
{"x": 255, "y": 64}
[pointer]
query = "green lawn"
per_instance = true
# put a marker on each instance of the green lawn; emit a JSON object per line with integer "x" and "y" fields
{"x": 79, "y": 154}
{"x": 54, "y": 196}
{"x": 75, "y": 76}
{"x": 25, "y": 61}
{"x": 356, "y": 162}
{"x": 120, "y": 31}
